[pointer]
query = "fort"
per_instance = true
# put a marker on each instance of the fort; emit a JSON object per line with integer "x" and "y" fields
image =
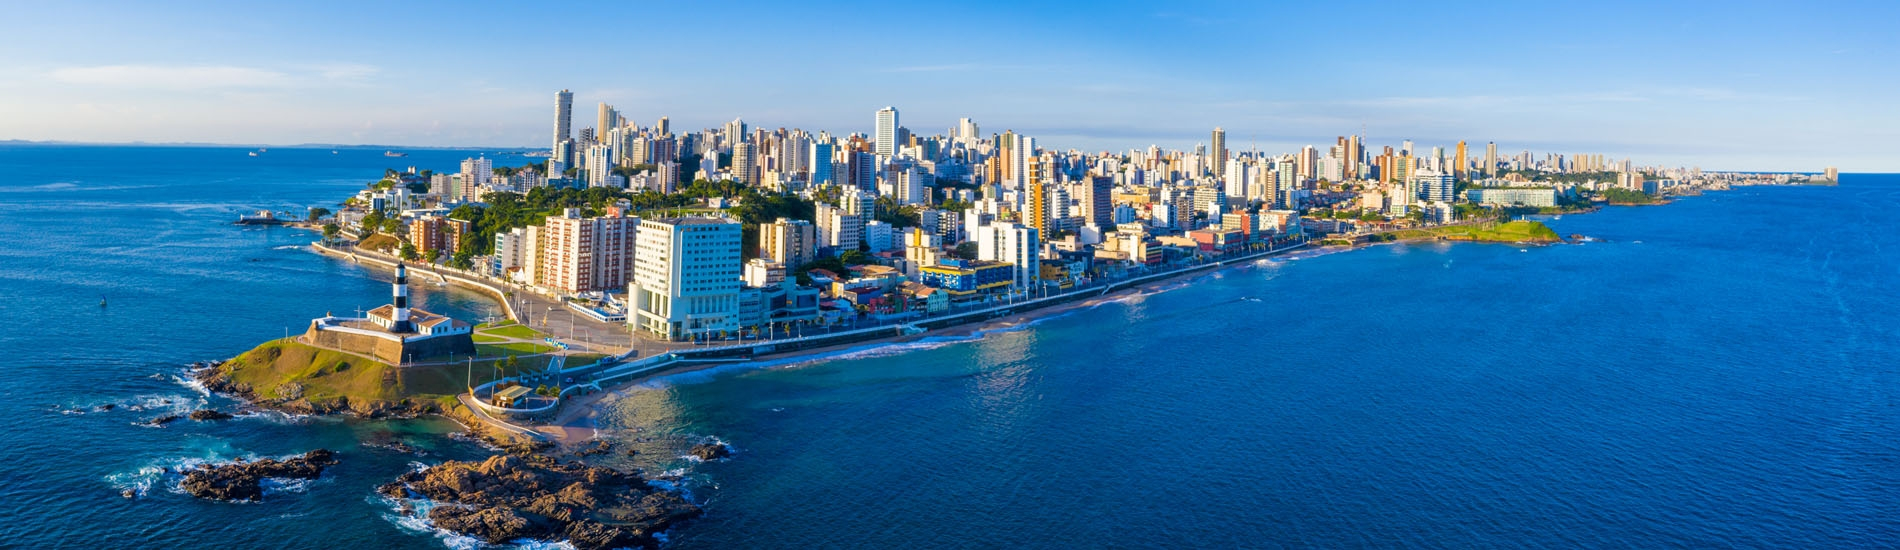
{"x": 394, "y": 333}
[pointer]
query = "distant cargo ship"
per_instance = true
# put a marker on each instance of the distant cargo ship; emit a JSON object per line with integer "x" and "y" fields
{"x": 394, "y": 154}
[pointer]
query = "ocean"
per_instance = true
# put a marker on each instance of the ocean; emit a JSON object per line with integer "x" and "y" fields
{"x": 1715, "y": 372}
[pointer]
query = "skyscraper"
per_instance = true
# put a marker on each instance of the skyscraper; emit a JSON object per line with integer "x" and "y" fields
{"x": 1490, "y": 167}
{"x": 821, "y": 167}
{"x": 966, "y": 129}
{"x": 563, "y": 117}
{"x": 886, "y": 132}
{"x": 1220, "y": 147}
{"x": 1463, "y": 163}
{"x": 1097, "y": 205}
{"x": 743, "y": 160}
{"x": 686, "y": 283}
{"x": 1036, "y": 213}
{"x": 608, "y": 118}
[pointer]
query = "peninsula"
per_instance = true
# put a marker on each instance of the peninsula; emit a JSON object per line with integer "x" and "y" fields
{"x": 634, "y": 251}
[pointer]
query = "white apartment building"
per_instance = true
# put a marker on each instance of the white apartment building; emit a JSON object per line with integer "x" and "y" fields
{"x": 1019, "y": 245}
{"x": 686, "y": 283}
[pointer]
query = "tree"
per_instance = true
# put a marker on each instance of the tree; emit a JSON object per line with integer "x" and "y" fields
{"x": 330, "y": 231}
{"x": 318, "y": 214}
{"x": 854, "y": 257}
{"x": 967, "y": 250}
{"x": 409, "y": 252}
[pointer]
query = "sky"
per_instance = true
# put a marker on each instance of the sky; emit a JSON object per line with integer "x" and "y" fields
{"x": 1720, "y": 85}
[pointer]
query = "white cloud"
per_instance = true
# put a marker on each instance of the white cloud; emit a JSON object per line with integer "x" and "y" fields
{"x": 210, "y": 77}
{"x": 165, "y": 77}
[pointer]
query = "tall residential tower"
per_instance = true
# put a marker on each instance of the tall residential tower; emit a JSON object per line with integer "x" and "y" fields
{"x": 563, "y": 117}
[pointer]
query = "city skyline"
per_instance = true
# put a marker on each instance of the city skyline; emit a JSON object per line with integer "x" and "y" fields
{"x": 1680, "y": 85}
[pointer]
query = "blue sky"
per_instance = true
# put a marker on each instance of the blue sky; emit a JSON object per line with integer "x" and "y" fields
{"x": 1723, "y": 85}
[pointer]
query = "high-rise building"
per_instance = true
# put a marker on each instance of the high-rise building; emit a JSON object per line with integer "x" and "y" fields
{"x": 788, "y": 241}
{"x": 577, "y": 254}
{"x": 734, "y": 132}
{"x": 745, "y": 163}
{"x": 600, "y": 165}
{"x": 1097, "y": 203}
{"x": 1017, "y": 245}
{"x": 563, "y": 117}
{"x": 886, "y": 137}
{"x": 1036, "y": 211}
{"x": 1462, "y": 163}
{"x": 966, "y": 130}
{"x": 1433, "y": 185}
{"x": 838, "y": 229}
{"x": 687, "y": 282}
{"x": 608, "y": 120}
{"x": 663, "y": 128}
{"x": 821, "y": 164}
{"x": 1219, "y": 147}
{"x": 1490, "y": 167}
{"x": 478, "y": 171}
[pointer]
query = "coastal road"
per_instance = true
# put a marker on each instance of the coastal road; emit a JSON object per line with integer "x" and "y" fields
{"x": 553, "y": 317}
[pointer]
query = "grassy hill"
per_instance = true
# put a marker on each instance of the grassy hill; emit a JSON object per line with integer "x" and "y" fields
{"x": 1521, "y": 231}
{"x": 304, "y": 379}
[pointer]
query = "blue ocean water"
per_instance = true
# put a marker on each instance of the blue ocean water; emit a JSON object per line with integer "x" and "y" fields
{"x": 1716, "y": 372}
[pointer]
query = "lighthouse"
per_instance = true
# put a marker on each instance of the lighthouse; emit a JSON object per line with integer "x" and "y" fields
{"x": 399, "y": 317}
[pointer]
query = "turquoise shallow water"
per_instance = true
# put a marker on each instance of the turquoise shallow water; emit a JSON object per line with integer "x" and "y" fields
{"x": 1718, "y": 372}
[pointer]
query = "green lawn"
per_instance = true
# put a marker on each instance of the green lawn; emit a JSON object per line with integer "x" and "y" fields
{"x": 512, "y": 348}
{"x": 512, "y": 331}
{"x": 1508, "y": 232}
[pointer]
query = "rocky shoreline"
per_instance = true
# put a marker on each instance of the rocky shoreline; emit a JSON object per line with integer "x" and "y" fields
{"x": 530, "y": 496}
{"x": 521, "y": 493}
{"x": 244, "y": 481}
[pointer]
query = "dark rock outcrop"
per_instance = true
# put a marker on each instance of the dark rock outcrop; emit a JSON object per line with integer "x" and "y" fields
{"x": 508, "y": 497}
{"x": 163, "y": 420}
{"x": 600, "y": 446}
{"x": 202, "y": 415}
{"x": 711, "y": 451}
{"x": 389, "y": 440}
{"x": 242, "y": 480}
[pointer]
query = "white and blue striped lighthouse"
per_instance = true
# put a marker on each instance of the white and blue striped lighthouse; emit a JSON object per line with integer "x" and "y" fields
{"x": 399, "y": 319}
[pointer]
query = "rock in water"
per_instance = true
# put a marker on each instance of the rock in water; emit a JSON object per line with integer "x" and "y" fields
{"x": 245, "y": 480}
{"x": 711, "y": 451}
{"x": 202, "y": 415}
{"x": 508, "y": 497}
{"x": 163, "y": 420}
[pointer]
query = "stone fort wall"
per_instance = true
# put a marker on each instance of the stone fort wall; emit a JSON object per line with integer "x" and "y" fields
{"x": 389, "y": 350}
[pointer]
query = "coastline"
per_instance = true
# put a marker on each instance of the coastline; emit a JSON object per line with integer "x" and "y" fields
{"x": 574, "y": 424}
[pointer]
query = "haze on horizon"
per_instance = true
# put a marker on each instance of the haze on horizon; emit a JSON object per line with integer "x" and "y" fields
{"x": 1724, "y": 86}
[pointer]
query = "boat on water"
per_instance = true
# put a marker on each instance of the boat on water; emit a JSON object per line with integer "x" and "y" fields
{"x": 394, "y": 154}
{"x": 252, "y": 153}
{"x": 262, "y": 217}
